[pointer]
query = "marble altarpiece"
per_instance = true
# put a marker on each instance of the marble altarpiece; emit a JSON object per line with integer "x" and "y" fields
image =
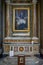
{"x": 20, "y": 28}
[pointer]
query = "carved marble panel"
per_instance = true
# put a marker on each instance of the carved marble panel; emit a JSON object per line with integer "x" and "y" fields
{"x": 6, "y": 48}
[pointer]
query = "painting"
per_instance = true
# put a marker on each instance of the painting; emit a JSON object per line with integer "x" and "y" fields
{"x": 21, "y": 59}
{"x": 21, "y": 19}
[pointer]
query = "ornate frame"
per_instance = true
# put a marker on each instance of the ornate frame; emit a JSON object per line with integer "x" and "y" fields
{"x": 28, "y": 19}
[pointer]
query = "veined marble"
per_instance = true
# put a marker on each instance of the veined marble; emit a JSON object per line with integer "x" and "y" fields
{"x": 21, "y": 34}
{"x": 17, "y": 38}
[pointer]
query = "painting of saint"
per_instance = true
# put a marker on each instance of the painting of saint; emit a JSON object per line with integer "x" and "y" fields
{"x": 21, "y": 19}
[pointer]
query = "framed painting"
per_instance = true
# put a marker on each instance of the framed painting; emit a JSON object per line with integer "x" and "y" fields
{"x": 21, "y": 19}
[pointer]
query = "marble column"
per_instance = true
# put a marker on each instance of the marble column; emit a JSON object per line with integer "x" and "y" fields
{"x": 34, "y": 18}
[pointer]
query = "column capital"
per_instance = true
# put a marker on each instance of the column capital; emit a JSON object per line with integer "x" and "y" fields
{"x": 34, "y": 1}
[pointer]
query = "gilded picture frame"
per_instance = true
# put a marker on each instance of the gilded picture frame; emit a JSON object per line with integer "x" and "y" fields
{"x": 21, "y": 19}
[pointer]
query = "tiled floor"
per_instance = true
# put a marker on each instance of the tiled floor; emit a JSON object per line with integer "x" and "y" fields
{"x": 11, "y": 61}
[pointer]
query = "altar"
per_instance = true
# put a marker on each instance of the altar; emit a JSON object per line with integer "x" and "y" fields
{"x": 21, "y": 45}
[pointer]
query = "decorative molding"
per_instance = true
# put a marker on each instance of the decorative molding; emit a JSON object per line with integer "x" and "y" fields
{"x": 19, "y": 41}
{"x": 17, "y": 4}
{"x": 9, "y": 41}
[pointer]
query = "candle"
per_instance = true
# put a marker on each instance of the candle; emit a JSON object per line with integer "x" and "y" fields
{"x": 32, "y": 42}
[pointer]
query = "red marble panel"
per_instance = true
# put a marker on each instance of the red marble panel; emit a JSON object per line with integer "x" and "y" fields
{"x": 15, "y": 49}
{"x": 26, "y": 49}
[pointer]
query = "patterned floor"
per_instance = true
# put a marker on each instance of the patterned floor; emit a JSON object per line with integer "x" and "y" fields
{"x": 11, "y": 61}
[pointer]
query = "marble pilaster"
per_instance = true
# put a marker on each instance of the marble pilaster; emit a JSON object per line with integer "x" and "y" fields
{"x": 34, "y": 18}
{"x": 7, "y": 22}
